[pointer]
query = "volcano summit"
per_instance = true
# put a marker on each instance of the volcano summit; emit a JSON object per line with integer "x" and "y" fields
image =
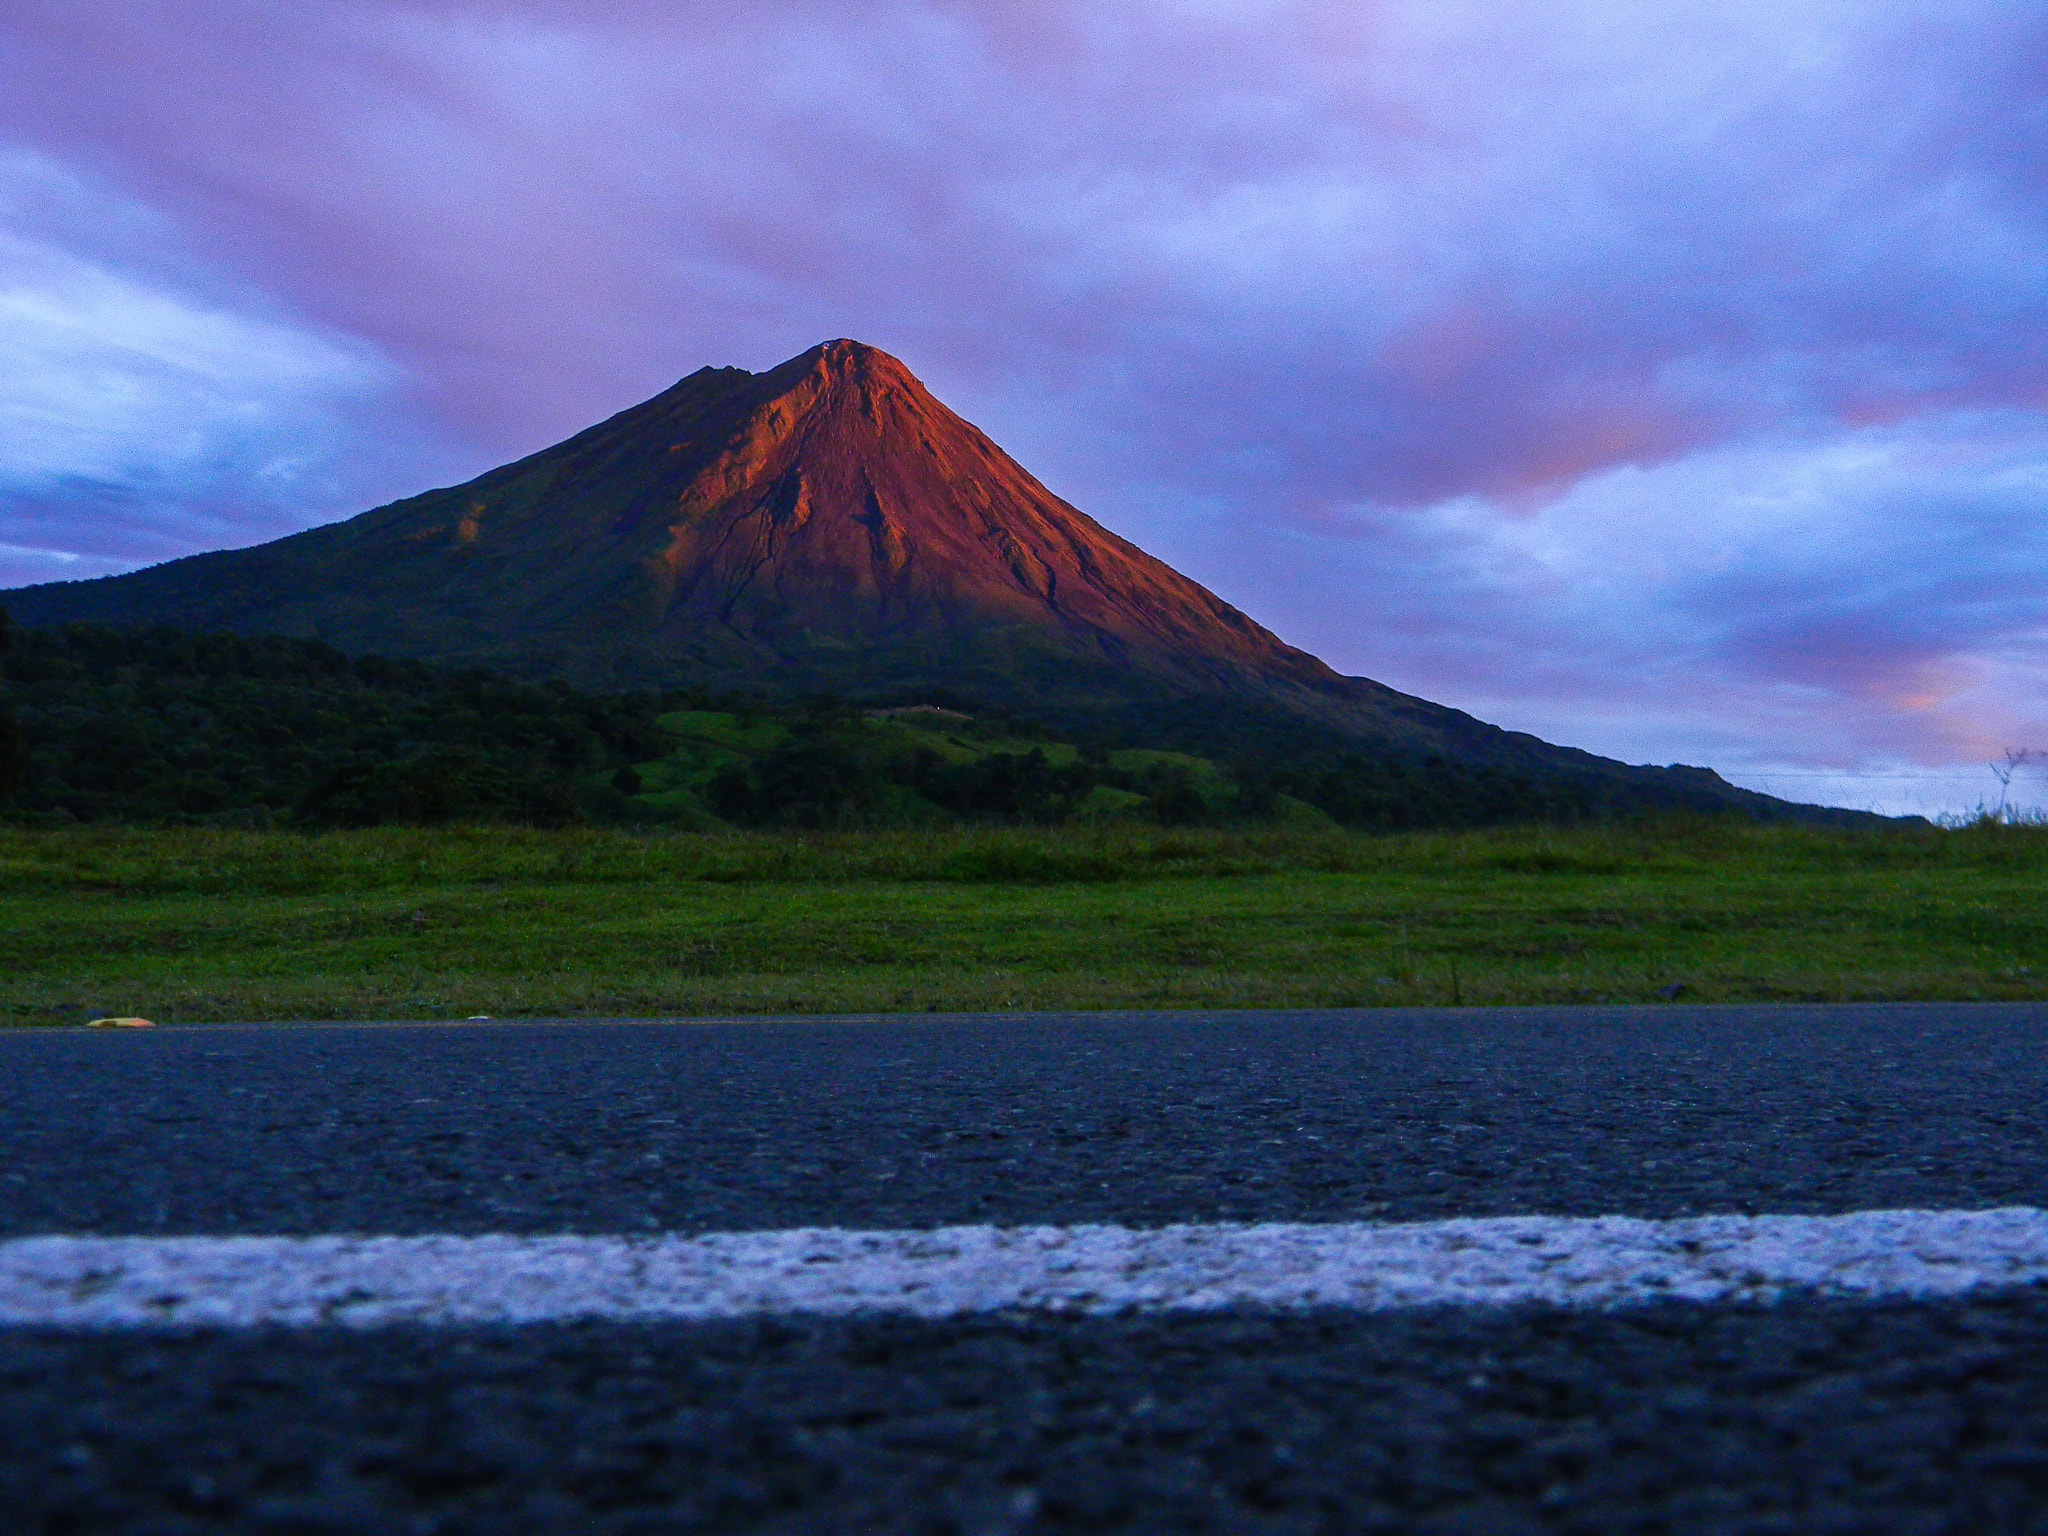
{"x": 829, "y": 526}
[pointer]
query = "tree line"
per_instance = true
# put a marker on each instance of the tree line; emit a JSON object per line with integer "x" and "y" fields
{"x": 13, "y": 744}
{"x": 161, "y": 725}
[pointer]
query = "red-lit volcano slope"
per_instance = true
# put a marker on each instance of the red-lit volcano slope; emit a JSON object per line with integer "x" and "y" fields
{"x": 828, "y": 525}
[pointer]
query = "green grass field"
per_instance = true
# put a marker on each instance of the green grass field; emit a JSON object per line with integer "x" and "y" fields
{"x": 199, "y": 925}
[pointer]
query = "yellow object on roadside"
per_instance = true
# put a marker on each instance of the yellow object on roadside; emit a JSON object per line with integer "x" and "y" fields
{"x": 120, "y": 1023}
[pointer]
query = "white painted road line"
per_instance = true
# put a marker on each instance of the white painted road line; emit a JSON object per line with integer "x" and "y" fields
{"x": 128, "y": 1282}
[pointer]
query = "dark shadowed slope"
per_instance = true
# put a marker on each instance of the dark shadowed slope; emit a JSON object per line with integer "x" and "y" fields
{"x": 827, "y": 525}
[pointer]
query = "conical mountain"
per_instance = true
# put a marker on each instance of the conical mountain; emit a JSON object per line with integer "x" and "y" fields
{"x": 827, "y": 525}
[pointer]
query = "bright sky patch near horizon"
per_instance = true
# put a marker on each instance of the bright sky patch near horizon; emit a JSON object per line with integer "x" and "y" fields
{"x": 1666, "y": 377}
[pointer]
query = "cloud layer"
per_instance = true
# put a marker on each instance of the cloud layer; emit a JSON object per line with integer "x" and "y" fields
{"x": 1664, "y": 375}
{"x": 148, "y": 405}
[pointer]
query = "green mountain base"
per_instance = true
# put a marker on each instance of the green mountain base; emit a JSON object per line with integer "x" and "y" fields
{"x": 163, "y": 726}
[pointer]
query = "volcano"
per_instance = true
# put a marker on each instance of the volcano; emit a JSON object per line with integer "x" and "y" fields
{"x": 825, "y": 526}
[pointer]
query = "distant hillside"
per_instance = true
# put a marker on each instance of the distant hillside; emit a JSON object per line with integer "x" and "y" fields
{"x": 162, "y": 726}
{"x": 827, "y": 526}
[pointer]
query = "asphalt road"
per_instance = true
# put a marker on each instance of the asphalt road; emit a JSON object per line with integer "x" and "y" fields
{"x": 1810, "y": 1415}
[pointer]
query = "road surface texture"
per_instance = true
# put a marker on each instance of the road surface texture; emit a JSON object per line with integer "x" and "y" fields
{"x": 1790, "y": 1410}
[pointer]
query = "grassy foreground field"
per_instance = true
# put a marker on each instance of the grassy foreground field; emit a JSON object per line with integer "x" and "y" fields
{"x": 198, "y": 925}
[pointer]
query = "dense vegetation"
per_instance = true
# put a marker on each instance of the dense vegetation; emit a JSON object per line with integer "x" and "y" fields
{"x": 158, "y": 726}
{"x": 162, "y": 726}
{"x": 13, "y": 748}
{"x": 210, "y": 827}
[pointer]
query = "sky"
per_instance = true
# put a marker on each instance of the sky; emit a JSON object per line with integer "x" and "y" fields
{"x": 1665, "y": 377}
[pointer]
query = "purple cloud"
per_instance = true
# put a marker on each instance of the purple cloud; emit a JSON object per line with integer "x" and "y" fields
{"x": 1349, "y": 309}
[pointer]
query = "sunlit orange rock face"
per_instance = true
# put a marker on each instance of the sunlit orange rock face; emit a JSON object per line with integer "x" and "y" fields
{"x": 825, "y": 525}
{"x": 849, "y": 503}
